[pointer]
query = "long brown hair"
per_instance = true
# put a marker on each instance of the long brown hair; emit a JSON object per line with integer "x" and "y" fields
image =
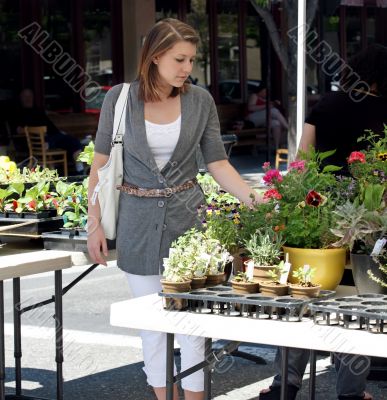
{"x": 162, "y": 37}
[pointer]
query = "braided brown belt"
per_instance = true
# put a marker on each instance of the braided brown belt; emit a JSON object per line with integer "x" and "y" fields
{"x": 165, "y": 192}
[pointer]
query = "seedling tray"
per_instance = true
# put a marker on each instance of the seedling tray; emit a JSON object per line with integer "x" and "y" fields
{"x": 222, "y": 300}
{"x": 68, "y": 241}
{"x": 35, "y": 226}
{"x": 361, "y": 312}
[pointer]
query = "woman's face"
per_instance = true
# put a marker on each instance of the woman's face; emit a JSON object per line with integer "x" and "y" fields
{"x": 175, "y": 65}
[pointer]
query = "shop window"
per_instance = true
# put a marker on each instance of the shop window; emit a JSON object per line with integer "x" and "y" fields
{"x": 56, "y": 17}
{"x": 166, "y": 9}
{"x": 98, "y": 52}
{"x": 197, "y": 17}
{"x": 371, "y": 25}
{"x": 228, "y": 52}
{"x": 253, "y": 53}
{"x": 353, "y": 30}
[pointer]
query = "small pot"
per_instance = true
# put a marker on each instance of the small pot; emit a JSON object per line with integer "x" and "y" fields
{"x": 198, "y": 282}
{"x": 13, "y": 214}
{"x": 273, "y": 289}
{"x": 304, "y": 292}
{"x": 213, "y": 280}
{"x": 245, "y": 287}
{"x": 175, "y": 287}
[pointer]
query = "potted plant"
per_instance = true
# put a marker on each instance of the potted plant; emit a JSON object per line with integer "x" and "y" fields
{"x": 264, "y": 251}
{"x": 272, "y": 286}
{"x": 304, "y": 288}
{"x": 242, "y": 284}
{"x": 13, "y": 207}
{"x": 361, "y": 223}
{"x": 304, "y": 199}
{"x": 4, "y": 193}
{"x": 177, "y": 278}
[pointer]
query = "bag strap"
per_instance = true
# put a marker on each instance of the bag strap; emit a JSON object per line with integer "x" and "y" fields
{"x": 120, "y": 114}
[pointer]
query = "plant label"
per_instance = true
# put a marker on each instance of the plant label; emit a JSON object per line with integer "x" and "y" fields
{"x": 378, "y": 246}
{"x": 250, "y": 269}
{"x": 285, "y": 271}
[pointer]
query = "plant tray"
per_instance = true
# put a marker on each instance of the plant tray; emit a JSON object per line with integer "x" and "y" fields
{"x": 222, "y": 300}
{"x": 35, "y": 226}
{"x": 69, "y": 241}
{"x": 364, "y": 311}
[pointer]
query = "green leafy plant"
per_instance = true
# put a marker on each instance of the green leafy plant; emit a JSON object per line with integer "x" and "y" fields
{"x": 304, "y": 275}
{"x": 87, "y": 155}
{"x": 275, "y": 273}
{"x": 242, "y": 277}
{"x": 264, "y": 247}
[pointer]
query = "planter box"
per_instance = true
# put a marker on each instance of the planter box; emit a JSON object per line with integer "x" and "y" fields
{"x": 40, "y": 214}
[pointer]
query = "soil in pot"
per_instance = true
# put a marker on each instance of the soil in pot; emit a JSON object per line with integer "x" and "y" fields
{"x": 175, "y": 287}
{"x": 213, "y": 280}
{"x": 245, "y": 287}
{"x": 304, "y": 292}
{"x": 273, "y": 289}
{"x": 198, "y": 282}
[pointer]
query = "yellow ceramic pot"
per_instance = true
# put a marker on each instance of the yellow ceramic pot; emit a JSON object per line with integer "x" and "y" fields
{"x": 329, "y": 264}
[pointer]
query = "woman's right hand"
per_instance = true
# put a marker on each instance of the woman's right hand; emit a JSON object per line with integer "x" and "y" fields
{"x": 96, "y": 242}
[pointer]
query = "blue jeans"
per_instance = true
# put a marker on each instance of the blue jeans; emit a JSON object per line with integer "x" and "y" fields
{"x": 352, "y": 371}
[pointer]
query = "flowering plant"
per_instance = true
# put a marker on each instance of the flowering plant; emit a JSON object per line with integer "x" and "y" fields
{"x": 362, "y": 220}
{"x": 303, "y": 199}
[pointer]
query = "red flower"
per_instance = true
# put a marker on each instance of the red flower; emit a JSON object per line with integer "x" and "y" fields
{"x": 272, "y": 194}
{"x": 15, "y": 205}
{"x": 266, "y": 165}
{"x": 356, "y": 156}
{"x": 315, "y": 199}
{"x": 55, "y": 203}
{"x": 32, "y": 205}
{"x": 298, "y": 165}
{"x": 272, "y": 175}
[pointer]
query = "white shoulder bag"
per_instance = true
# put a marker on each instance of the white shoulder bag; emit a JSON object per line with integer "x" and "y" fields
{"x": 110, "y": 175}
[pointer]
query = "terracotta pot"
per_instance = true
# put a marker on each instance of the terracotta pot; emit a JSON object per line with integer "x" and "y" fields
{"x": 245, "y": 287}
{"x": 175, "y": 287}
{"x": 213, "y": 280}
{"x": 273, "y": 289}
{"x": 303, "y": 292}
{"x": 198, "y": 283}
{"x": 260, "y": 272}
{"x": 329, "y": 264}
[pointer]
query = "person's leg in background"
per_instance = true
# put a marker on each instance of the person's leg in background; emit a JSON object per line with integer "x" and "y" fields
{"x": 352, "y": 371}
{"x": 276, "y": 114}
{"x": 298, "y": 359}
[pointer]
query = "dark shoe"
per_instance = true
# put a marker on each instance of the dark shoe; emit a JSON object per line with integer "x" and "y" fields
{"x": 275, "y": 393}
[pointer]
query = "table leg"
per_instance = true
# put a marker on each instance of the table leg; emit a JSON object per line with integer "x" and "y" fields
{"x": 284, "y": 372}
{"x": 170, "y": 358}
{"x": 312, "y": 378}
{"x": 2, "y": 347}
{"x": 59, "y": 335}
{"x": 207, "y": 370}
{"x": 17, "y": 334}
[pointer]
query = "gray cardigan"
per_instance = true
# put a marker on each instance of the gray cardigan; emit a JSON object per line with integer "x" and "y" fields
{"x": 147, "y": 226}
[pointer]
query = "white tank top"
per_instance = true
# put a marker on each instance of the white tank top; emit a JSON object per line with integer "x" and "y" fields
{"x": 162, "y": 140}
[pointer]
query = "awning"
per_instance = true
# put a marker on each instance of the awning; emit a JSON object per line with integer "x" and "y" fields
{"x": 361, "y": 3}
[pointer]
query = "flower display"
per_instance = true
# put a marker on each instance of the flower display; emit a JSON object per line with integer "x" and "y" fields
{"x": 302, "y": 201}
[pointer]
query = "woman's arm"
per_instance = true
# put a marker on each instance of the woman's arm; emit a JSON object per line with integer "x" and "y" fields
{"x": 308, "y": 138}
{"x": 229, "y": 179}
{"x": 96, "y": 240}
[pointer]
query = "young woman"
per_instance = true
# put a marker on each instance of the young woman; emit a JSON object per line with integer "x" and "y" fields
{"x": 167, "y": 120}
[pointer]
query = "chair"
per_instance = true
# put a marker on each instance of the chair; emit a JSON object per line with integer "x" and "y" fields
{"x": 281, "y": 156}
{"x": 38, "y": 149}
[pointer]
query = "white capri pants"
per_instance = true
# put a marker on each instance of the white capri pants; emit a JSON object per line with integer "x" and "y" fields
{"x": 154, "y": 344}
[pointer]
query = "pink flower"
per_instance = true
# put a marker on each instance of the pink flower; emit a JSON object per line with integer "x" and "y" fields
{"x": 272, "y": 194}
{"x": 272, "y": 175}
{"x": 356, "y": 156}
{"x": 298, "y": 165}
{"x": 266, "y": 166}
